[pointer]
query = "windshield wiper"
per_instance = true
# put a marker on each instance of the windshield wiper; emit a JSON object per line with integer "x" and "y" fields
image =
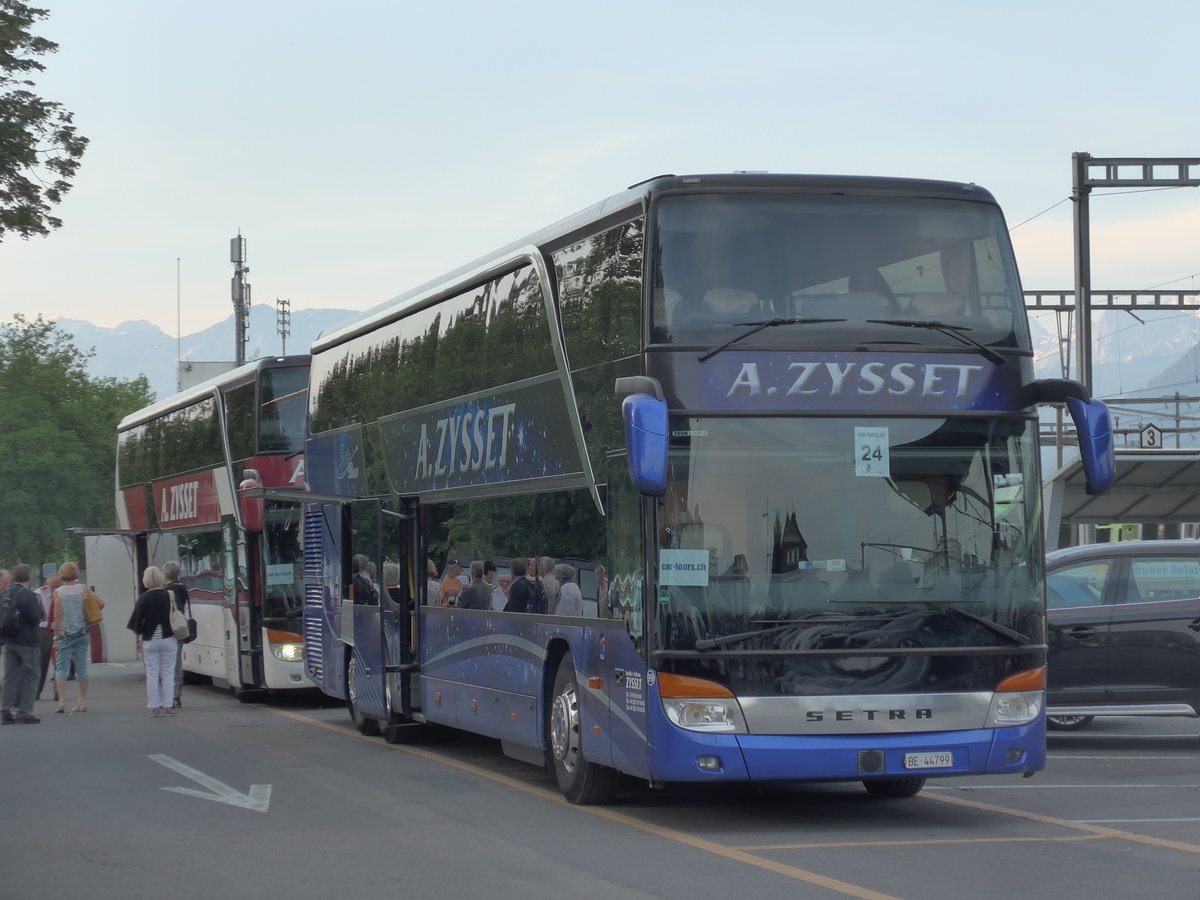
{"x": 759, "y": 326}
{"x": 1003, "y": 630}
{"x": 954, "y": 331}
{"x": 713, "y": 643}
{"x": 995, "y": 627}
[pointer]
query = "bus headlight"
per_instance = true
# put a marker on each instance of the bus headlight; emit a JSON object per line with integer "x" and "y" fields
{"x": 700, "y": 705}
{"x": 706, "y": 715}
{"x": 285, "y": 645}
{"x": 288, "y": 652}
{"x": 1014, "y": 703}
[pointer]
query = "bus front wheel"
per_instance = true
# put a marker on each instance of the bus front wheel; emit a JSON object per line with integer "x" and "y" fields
{"x": 894, "y": 788}
{"x": 580, "y": 781}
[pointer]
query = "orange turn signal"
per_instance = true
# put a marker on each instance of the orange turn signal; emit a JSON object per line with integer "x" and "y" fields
{"x": 1033, "y": 680}
{"x": 686, "y": 686}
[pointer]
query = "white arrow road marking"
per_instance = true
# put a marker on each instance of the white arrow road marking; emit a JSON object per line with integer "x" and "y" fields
{"x": 258, "y": 799}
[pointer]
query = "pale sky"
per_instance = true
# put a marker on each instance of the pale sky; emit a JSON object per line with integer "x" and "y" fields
{"x": 363, "y": 147}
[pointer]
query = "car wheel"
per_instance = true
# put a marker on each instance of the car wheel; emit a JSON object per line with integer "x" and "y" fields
{"x": 1068, "y": 723}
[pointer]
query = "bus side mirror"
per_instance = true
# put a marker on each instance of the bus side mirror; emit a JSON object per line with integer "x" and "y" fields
{"x": 252, "y": 507}
{"x": 646, "y": 438}
{"x": 1093, "y": 425}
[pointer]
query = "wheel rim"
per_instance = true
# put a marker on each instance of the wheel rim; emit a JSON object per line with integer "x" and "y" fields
{"x": 351, "y": 691}
{"x": 564, "y": 729}
{"x": 1066, "y": 720}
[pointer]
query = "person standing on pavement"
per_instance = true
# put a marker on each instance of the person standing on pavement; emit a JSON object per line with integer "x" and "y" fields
{"x": 46, "y": 594}
{"x": 477, "y": 594}
{"x": 520, "y": 592}
{"x": 499, "y": 598}
{"x": 549, "y": 584}
{"x": 151, "y": 622}
{"x": 180, "y": 594}
{"x": 570, "y": 599}
{"x": 20, "y": 653}
{"x": 72, "y": 644}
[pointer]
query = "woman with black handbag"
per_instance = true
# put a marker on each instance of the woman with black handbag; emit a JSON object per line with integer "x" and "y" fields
{"x": 151, "y": 621}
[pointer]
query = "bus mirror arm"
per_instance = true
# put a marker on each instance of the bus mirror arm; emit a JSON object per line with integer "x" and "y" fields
{"x": 1054, "y": 390}
{"x": 646, "y": 437}
{"x": 639, "y": 384}
{"x": 252, "y": 507}
{"x": 1093, "y": 425}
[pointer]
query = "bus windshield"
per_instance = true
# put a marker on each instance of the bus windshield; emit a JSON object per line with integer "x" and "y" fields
{"x": 849, "y": 265}
{"x": 283, "y": 406}
{"x": 827, "y": 533}
{"x": 283, "y": 558}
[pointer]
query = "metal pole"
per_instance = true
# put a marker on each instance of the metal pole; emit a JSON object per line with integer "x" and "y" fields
{"x": 1083, "y": 269}
{"x": 283, "y": 321}
{"x": 241, "y": 297}
{"x": 178, "y": 328}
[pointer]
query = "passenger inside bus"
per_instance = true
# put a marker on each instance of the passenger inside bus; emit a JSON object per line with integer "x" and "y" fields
{"x": 362, "y": 586}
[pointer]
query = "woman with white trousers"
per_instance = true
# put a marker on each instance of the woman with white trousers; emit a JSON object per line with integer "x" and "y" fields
{"x": 151, "y": 621}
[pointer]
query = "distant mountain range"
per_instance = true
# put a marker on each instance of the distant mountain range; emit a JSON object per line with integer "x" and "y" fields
{"x": 1130, "y": 359}
{"x": 140, "y": 348}
{"x": 1156, "y": 358}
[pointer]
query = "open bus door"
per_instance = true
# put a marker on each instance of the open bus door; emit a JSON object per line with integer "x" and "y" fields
{"x": 362, "y": 574}
{"x": 400, "y": 602}
{"x": 379, "y": 682}
{"x": 244, "y": 654}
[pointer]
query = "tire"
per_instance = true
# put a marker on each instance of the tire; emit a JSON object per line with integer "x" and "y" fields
{"x": 580, "y": 781}
{"x": 1068, "y": 723}
{"x": 365, "y": 724}
{"x": 248, "y": 695}
{"x": 894, "y": 788}
{"x": 406, "y": 733}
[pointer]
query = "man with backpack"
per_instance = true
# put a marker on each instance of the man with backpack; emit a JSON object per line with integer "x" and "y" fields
{"x": 20, "y": 614}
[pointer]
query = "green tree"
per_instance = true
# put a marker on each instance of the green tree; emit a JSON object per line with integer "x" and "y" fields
{"x": 39, "y": 146}
{"x": 58, "y": 430}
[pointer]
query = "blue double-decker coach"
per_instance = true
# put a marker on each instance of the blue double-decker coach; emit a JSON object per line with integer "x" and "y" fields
{"x": 754, "y": 461}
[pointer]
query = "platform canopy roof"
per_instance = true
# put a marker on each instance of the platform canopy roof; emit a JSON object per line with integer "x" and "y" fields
{"x": 1151, "y": 487}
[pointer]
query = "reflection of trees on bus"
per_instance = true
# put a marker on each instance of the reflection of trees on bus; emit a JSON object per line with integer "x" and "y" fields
{"x": 283, "y": 602}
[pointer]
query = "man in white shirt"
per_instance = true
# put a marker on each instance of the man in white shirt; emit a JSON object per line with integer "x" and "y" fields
{"x": 489, "y": 575}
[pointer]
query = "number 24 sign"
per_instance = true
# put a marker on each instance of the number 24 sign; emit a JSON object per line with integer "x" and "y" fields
{"x": 871, "y": 452}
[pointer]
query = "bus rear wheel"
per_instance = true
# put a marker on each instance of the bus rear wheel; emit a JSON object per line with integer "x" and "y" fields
{"x": 894, "y": 788}
{"x": 580, "y": 781}
{"x": 365, "y": 724}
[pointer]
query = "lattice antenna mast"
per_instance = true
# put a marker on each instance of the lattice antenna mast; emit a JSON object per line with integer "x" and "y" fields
{"x": 283, "y": 323}
{"x": 241, "y": 297}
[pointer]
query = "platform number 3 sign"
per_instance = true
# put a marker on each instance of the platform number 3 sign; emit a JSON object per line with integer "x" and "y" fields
{"x": 871, "y": 453}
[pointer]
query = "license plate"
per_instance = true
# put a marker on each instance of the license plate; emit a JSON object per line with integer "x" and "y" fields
{"x": 942, "y": 759}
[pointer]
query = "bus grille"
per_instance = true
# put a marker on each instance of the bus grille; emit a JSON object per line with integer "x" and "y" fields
{"x": 314, "y": 593}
